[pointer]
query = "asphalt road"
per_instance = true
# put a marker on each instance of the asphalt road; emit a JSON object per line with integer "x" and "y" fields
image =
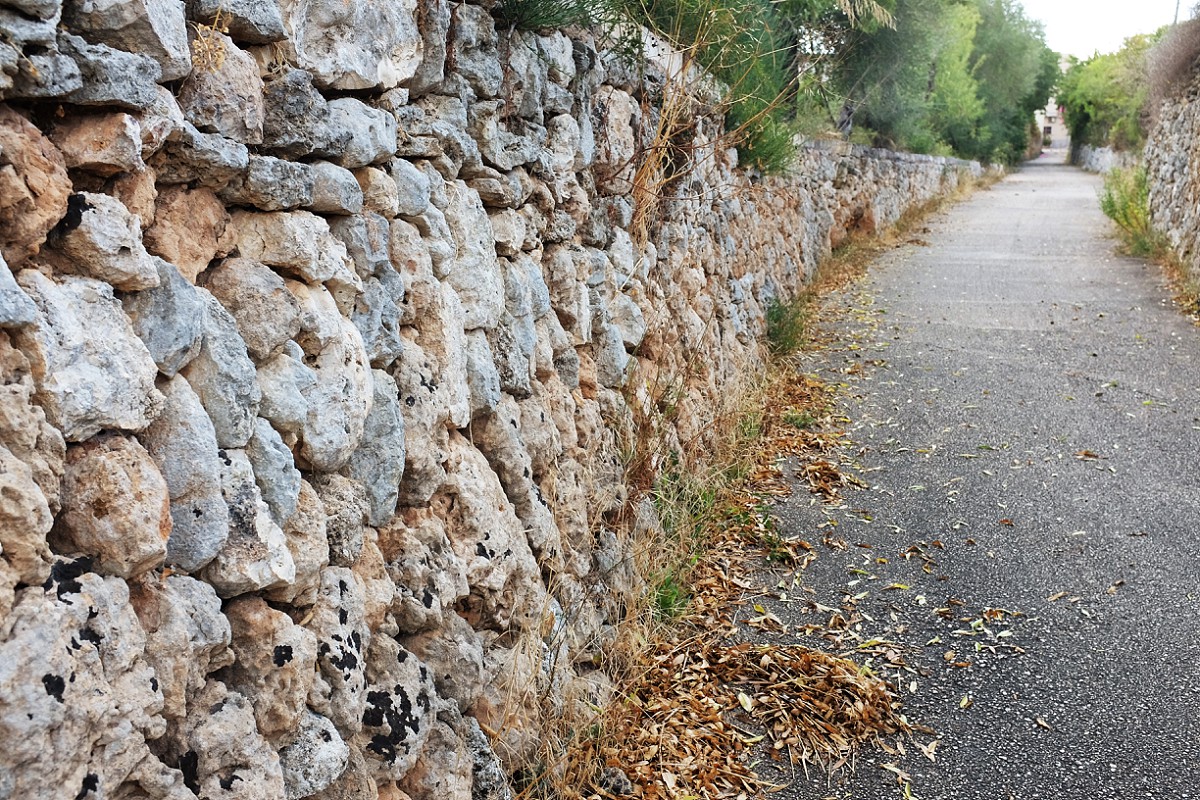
{"x": 1024, "y": 404}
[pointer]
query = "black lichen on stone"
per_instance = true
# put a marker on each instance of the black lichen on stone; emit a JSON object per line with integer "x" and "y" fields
{"x": 283, "y": 654}
{"x": 55, "y": 686}
{"x": 64, "y": 577}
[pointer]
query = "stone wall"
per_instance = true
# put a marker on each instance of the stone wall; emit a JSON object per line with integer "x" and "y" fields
{"x": 1102, "y": 159}
{"x": 327, "y": 330}
{"x": 1171, "y": 159}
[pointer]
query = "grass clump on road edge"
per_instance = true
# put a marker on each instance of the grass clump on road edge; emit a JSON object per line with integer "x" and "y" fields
{"x": 1125, "y": 199}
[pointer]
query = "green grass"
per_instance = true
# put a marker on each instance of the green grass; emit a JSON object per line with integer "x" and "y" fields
{"x": 1126, "y": 201}
{"x": 786, "y": 324}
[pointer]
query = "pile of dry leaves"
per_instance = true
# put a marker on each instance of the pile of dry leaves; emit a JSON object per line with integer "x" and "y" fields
{"x": 712, "y": 699}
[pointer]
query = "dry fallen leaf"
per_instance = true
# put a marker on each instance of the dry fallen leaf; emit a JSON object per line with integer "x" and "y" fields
{"x": 930, "y": 750}
{"x": 1057, "y": 596}
{"x": 1008, "y": 522}
{"x": 1041, "y": 723}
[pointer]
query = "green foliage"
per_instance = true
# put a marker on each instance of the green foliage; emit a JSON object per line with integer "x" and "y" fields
{"x": 535, "y": 15}
{"x": 785, "y": 326}
{"x": 1126, "y": 201}
{"x": 1104, "y": 95}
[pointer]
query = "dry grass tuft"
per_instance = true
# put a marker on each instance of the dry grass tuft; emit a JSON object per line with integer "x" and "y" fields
{"x": 1171, "y": 65}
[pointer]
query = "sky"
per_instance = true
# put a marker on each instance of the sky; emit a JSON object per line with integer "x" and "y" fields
{"x": 1081, "y": 27}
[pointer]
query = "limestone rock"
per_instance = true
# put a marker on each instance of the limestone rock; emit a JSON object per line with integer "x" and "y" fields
{"x": 378, "y": 463}
{"x": 158, "y": 122}
{"x": 33, "y": 187}
{"x": 616, "y": 116}
{"x": 500, "y": 147}
{"x": 305, "y": 532}
{"x": 346, "y": 508}
{"x": 16, "y": 309}
{"x": 355, "y": 782}
{"x": 80, "y": 698}
{"x": 272, "y": 184}
{"x": 187, "y": 636}
{"x": 111, "y": 76}
{"x": 249, "y": 21}
{"x": 274, "y": 667}
{"x": 340, "y": 398}
{"x": 224, "y": 94}
{"x": 277, "y": 477}
{"x": 475, "y": 274}
{"x": 335, "y": 190}
{"x": 444, "y": 769}
{"x": 342, "y": 639}
{"x": 187, "y": 229}
{"x": 24, "y": 430}
{"x": 434, "y": 25}
{"x": 101, "y": 239}
{"x": 156, "y": 28}
{"x": 25, "y": 519}
{"x": 266, "y": 313}
{"x": 169, "y": 319}
{"x": 220, "y": 747}
{"x": 223, "y": 376}
{"x": 488, "y": 537}
{"x": 380, "y": 195}
{"x": 297, "y": 242}
{"x": 255, "y": 554}
{"x": 378, "y": 589}
{"x": 103, "y": 144}
{"x": 454, "y": 655}
{"x": 285, "y": 383}
{"x": 412, "y": 187}
{"x": 483, "y": 380}
{"x": 430, "y": 579}
{"x": 200, "y": 159}
{"x": 91, "y": 370}
{"x": 472, "y": 50}
{"x": 371, "y": 132}
{"x": 296, "y": 122}
{"x": 355, "y": 45}
{"x": 315, "y": 759}
{"x": 184, "y": 445}
{"x": 399, "y": 712}
{"x": 116, "y": 508}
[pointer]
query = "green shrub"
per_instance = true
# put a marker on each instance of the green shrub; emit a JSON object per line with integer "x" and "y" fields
{"x": 1126, "y": 201}
{"x": 786, "y": 325}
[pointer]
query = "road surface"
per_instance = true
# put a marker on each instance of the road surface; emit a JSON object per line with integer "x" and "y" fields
{"x": 1024, "y": 406}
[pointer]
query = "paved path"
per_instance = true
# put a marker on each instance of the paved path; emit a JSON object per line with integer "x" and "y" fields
{"x": 1030, "y": 402}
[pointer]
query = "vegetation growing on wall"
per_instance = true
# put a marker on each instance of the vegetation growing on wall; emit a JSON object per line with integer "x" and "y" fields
{"x": 952, "y": 77}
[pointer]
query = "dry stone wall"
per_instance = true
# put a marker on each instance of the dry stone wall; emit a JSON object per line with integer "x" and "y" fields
{"x": 1172, "y": 161}
{"x": 1103, "y": 159}
{"x": 325, "y": 330}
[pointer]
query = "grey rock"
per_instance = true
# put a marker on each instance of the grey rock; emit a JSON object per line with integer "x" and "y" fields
{"x": 102, "y": 240}
{"x": 255, "y": 554}
{"x": 335, "y": 190}
{"x": 155, "y": 28}
{"x": 224, "y": 96}
{"x": 43, "y": 75}
{"x": 378, "y": 463}
{"x": 298, "y": 242}
{"x": 37, "y": 9}
{"x": 377, "y": 314}
{"x": 203, "y": 159}
{"x": 629, "y": 320}
{"x": 499, "y": 146}
{"x": 249, "y": 21}
{"x": 483, "y": 380}
{"x": 454, "y": 654}
{"x": 305, "y": 532}
{"x": 159, "y": 121}
{"x": 490, "y": 779}
{"x": 285, "y": 383}
{"x": 512, "y": 365}
{"x": 272, "y": 184}
{"x": 223, "y": 376}
{"x": 347, "y": 507}
{"x": 187, "y": 637}
{"x": 16, "y": 309}
{"x": 412, "y": 186}
{"x": 342, "y": 641}
{"x": 183, "y": 444}
{"x": 475, "y": 274}
{"x": 355, "y": 45}
{"x": 315, "y": 759}
{"x": 380, "y": 195}
{"x": 110, "y": 76}
{"x": 73, "y": 683}
{"x": 266, "y": 313}
{"x": 367, "y": 238}
{"x": 91, "y": 370}
{"x": 472, "y": 50}
{"x": 296, "y": 121}
{"x": 400, "y": 709}
{"x": 372, "y": 132}
{"x": 274, "y": 471}
{"x": 169, "y": 319}
{"x": 434, "y": 25}
{"x": 340, "y": 399}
